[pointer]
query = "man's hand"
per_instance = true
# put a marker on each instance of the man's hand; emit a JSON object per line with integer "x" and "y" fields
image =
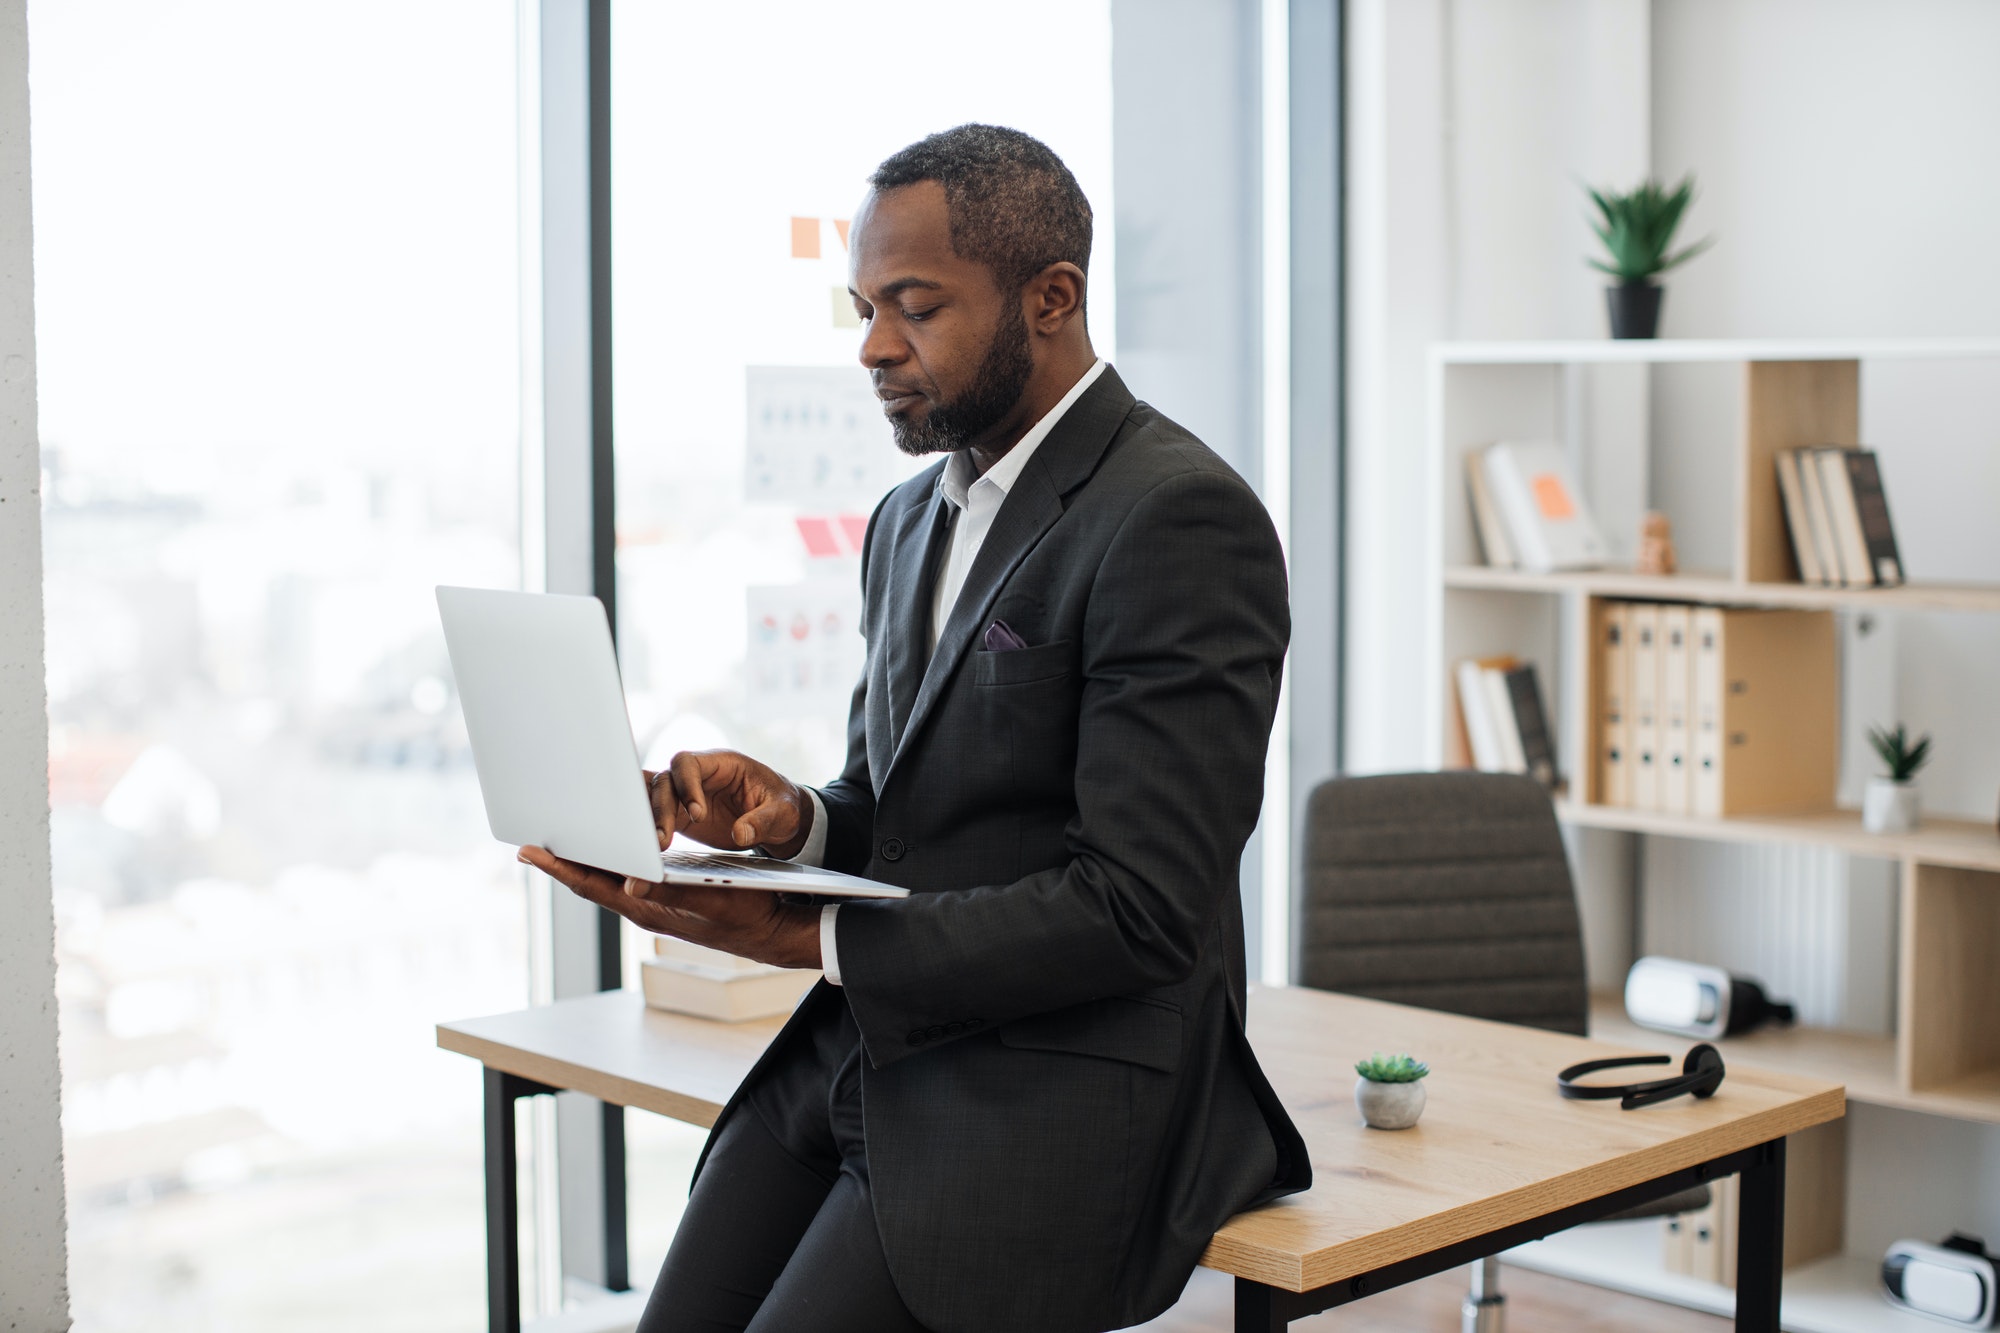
{"x": 746, "y": 922}
{"x": 729, "y": 800}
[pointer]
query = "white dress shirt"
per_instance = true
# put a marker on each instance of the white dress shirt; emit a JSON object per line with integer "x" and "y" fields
{"x": 976, "y": 498}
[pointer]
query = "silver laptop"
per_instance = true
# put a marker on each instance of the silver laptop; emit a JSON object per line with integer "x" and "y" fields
{"x": 552, "y": 744}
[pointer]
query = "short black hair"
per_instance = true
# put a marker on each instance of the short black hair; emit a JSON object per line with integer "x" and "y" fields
{"x": 1011, "y": 202}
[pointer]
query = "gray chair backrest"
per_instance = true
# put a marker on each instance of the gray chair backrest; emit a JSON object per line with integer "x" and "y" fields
{"x": 1447, "y": 891}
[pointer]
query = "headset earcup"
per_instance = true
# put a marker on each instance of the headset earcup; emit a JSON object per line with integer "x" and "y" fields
{"x": 1703, "y": 1066}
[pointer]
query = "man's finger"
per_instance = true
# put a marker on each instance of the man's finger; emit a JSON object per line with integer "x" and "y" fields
{"x": 686, "y": 770}
{"x": 669, "y": 817}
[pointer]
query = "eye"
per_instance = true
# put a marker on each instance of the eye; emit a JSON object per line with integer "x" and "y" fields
{"x": 919, "y": 316}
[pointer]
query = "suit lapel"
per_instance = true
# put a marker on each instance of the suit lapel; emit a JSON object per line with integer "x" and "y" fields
{"x": 919, "y": 552}
{"x": 1064, "y": 461}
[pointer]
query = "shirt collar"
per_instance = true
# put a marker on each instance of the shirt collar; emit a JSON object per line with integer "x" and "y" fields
{"x": 960, "y": 475}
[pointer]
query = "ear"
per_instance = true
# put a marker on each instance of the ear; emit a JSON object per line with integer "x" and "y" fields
{"x": 1054, "y": 297}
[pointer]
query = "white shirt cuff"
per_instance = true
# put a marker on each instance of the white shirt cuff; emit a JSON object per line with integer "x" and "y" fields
{"x": 814, "y": 852}
{"x": 829, "y": 957}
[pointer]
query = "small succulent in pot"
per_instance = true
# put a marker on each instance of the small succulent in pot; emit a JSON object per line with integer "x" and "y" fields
{"x": 1892, "y": 803}
{"x": 1390, "y": 1091}
{"x": 1637, "y": 229}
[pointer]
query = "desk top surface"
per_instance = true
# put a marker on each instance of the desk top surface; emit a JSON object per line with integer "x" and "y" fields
{"x": 1496, "y": 1145}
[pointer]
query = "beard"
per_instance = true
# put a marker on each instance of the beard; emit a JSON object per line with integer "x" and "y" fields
{"x": 995, "y": 390}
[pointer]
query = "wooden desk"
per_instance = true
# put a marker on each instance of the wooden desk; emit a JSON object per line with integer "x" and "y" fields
{"x": 1498, "y": 1158}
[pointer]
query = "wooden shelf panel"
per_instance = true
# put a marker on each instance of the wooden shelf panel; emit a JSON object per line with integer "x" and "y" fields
{"x": 1962, "y": 843}
{"x": 1721, "y": 590}
{"x": 1866, "y": 1065}
{"x": 1659, "y": 350}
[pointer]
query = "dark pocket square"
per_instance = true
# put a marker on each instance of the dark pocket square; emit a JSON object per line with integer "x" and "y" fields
{"x": 1001, "y": 638}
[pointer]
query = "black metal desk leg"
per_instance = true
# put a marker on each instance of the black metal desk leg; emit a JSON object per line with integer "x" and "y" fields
{"x": 503, "y": 1209}
{"x": 1760, "y": 1240}
{"x": 1257, "y": 1308}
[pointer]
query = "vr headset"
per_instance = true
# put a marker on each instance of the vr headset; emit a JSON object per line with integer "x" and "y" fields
{"x": 1696, "y": 1000}
{"x": 1953, "y": 1282}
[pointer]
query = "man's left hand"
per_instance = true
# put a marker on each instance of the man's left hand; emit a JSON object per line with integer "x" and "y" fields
{"x": 749, "y": 923}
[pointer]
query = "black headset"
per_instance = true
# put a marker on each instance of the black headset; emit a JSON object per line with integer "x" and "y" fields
{"x": 1701, "y": 1075}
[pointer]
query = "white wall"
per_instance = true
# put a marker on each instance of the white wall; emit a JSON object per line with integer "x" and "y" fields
{"x": 1470, "y": 125}
{"x": 34, "y": 1289}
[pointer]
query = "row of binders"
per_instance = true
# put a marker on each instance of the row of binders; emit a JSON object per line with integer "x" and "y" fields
{"x": 1703, "y": 710}
{"x": 1506, "y": 726}
{"x": 1838, "y": 514}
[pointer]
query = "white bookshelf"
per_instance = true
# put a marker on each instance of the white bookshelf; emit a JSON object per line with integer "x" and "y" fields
{"x": 1594, "y": 398}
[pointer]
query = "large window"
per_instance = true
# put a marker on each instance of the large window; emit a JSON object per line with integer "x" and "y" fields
{"x": 750, "y": 448}
{"x": 276, "y": 277}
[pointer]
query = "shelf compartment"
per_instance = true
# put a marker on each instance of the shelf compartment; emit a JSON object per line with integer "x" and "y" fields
{"x": 1948, "y": 989}
{"x": 1837, "y": 1294}
{"x": 1960, "y": 843}
{"x": 1866, "y": 1065}
{"x": 1721, "y": 590}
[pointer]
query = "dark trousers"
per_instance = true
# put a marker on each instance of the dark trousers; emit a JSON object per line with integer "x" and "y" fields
{"x": 779, "y": 1235}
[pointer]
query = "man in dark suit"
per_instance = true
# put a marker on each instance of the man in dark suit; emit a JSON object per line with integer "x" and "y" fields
{"x": 1022, "y": 1099}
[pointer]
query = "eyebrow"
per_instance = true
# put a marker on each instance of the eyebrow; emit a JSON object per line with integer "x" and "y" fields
{"x": 901, "y": 285}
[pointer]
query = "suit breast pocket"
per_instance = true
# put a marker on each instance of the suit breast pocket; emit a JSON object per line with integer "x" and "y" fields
{"x": 1025, "y": 666}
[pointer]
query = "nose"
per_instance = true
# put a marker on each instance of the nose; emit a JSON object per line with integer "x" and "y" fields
{"x": 882, "y": 346}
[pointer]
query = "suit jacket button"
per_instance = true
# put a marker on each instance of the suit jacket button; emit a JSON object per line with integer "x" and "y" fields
{"x": 917, "y": 1037}
{"x": 953, "y": 1029}
{"x": 893, "y": 849}
{"x": 972, "y": 1023}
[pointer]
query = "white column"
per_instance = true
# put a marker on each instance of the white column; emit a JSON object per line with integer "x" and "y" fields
{"x": 34, "y": 1284}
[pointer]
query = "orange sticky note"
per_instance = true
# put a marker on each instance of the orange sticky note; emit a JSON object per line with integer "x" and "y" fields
{"x": 1552, "y": 497}
{"x": 841, "y": 225}
{"x": 805, "y": 238}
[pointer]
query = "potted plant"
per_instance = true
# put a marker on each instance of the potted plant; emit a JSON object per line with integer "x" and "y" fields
{"x": 1390, "y": 1091}
{"x": 1891, "y": 804}
{"x": 1636, "y": 229}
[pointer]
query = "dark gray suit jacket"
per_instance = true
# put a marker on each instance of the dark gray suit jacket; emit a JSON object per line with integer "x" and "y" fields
{"x": 1061, "y": 1105}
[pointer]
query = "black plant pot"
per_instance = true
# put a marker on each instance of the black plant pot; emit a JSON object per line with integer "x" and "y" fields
{"x": 1635, "y": 309}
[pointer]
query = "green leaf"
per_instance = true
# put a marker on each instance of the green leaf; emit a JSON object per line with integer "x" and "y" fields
{"x": 1380, "y": 1068}
{"x": 1638, "y": 228}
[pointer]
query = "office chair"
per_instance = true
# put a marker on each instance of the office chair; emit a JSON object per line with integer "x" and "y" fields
{"x": 1449, "y": 891}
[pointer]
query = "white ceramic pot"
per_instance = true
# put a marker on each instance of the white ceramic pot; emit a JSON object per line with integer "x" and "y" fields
{"x": 1890, "y": 807}
{"x": 1389, "y": 1105}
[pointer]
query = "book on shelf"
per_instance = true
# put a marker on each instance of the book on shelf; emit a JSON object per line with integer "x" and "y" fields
{"x": 1612, "y": 630}
{"x": 1837, "y": 513}
{"x": 1871, "y": 503}
{"x": 1791, "y": 489}
{"x": 1756, "y": 694}
{"x": 1494, "y": 546}
{"x": 1850, "y": 548}
{"x": 1506, "y": 722}
{"x": 1673, "y": 704}
{"x": 1475, "y": 708}
{"x": 1541, "y": 512}
{"x": 1531, "y": 725}
{"x": 1818, "y": 533}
